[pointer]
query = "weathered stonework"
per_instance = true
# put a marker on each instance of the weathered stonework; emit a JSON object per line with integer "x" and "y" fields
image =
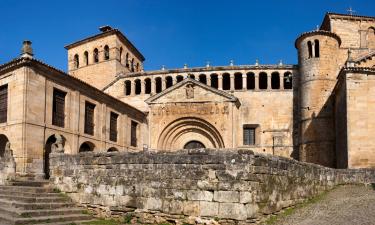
{"x": 230, "y": 185}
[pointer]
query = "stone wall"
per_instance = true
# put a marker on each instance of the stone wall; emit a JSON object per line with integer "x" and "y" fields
{"x": 230, "y": 186}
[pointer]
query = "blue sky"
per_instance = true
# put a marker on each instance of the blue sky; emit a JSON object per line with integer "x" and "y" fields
{"x": 170, "y": 32}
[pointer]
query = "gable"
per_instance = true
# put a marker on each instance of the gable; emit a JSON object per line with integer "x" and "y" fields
{"x": 191, "y": 91}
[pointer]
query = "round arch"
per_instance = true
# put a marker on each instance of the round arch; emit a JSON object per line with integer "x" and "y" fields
{"x": 86, "y": 146}
{"x": 3, "y": 141}
{"x": 112, "y": 149}
{"x": 179, "y": 132}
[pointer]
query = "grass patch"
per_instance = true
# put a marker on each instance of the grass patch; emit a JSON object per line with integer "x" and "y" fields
{"x": 128, "y": 218}
{"x": 289, "y": 211}
{"x": 103, "y": 222}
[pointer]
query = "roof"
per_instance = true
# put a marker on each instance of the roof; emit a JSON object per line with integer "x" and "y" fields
{"x": 316, "y": 32}
{"x": 187, "y": 80}
{"x": 365, "y": 57}
{"x": 56, "y": 74}
{"x": 105, "y": 34}
{"x": 325, "y": 23}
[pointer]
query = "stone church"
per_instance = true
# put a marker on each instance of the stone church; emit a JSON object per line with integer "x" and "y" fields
{"x": 317, "y": 111}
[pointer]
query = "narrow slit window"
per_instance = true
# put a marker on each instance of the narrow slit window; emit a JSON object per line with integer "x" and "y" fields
{"x": 58, "y": 108}
{"x": 89, "y": 118}
{"x": 113, "y": 127}
{"x": 3, "y": 103}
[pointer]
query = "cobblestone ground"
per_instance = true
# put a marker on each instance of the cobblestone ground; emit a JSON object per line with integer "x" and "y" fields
{"x": 345, "y": 205}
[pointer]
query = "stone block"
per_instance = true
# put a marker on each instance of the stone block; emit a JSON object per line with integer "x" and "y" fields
{"x": 234, "y": 211}
{"x": 246, "y": 197}
{"x": 209, "y": 208}
{"x": 191, "y": 208}
{"x": 252, "y": 210}
{"x": 199, "y": 195}
{"x": 226, "y": 196}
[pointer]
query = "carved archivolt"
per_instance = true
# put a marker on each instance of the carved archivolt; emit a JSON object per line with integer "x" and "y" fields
{"x": 186, "y": 129}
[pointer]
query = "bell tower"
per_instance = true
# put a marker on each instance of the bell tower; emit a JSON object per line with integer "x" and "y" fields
{"x": 99, "y": 58}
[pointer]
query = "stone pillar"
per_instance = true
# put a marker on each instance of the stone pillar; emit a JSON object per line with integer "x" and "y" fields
{"x": 163, "y": 85}
{"x": 220, "y": 81}
{"x": 281, "y": 81}
{"x": 244, "y": 81}
{"x": 153, "y": 86}
{"x": 232, "y": 82}
{"x": 256, "y": 80}
{"x": 174, "y": 80}
{"x": 208, "y": 81}
{"x": 133, "y": 88}
{"x": 143, "y": 87}
{"x": 269, "y": 81}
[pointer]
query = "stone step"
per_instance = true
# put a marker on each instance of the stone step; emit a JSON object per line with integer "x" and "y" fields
{"x": 30, "y": 183}
{"x": 27, "y": 189}
{"x": 77, "y": 222}
{"x": 34, "y": 206}
{"x": 51, "y": 212}
{"x": 28, "y": 194}
{"x": 45, "y": 219}
{"x": 23, "y": 199}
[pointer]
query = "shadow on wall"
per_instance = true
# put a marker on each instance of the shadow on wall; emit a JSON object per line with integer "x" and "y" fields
{"x": 319, "y": 137}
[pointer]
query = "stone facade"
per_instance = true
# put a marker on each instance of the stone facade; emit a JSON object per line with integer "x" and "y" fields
{"x": 234, "y": 186}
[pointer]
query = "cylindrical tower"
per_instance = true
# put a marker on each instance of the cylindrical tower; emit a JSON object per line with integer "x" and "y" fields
{"x": 318, "y": 69}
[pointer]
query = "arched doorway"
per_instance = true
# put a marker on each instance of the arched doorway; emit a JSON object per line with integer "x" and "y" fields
{"x": 86, "y": 147}
{"x": 194, "y": 145}
{"x": 3, "y": 141}
{"x": 112, "y": 149}
{"x": 47, "y": 151}
{"x": 178, "y": 133}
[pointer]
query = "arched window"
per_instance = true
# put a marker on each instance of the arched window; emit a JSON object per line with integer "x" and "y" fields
{"x": 192, "y": 76}
{"x": 112, "y": 149}
{"x": 179, "y": 78}
{"x": 226, "y": 81}
{"x": 120, "y": 58}
{"x": 86, "y": 147}
{"x": 128, "y": 87}
{"x": 147, "y": 86}
{"x": 168, "y": 82}
{"x": 250, "y": 80}
{"x": 214, "y": 81}
{"x": 137, "y": 86}
{"x": 263, "y": 80}
{"x": 309, "y": 46}
{"x": 275, "y": 80}
{"x": 316, "y": 46}
{"x": 76, "y": 61}
{"x": 158, "y": 84}
{"x": 132, "y": 65}
{"x": 288, "y": 80}
{"x": 86, "y": 54}
{"x": 106, "y": 52}
{"x": 127, "y": 60}
{"x": 96, "y": 55}
{"x": 203, "y": 79}
{"x": 238, "y": 81}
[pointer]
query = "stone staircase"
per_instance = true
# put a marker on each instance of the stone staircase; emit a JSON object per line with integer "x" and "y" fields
{"x": 27, "y": 201}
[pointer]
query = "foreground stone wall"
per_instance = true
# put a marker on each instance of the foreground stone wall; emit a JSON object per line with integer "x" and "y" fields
{"x": 232, "y": 186}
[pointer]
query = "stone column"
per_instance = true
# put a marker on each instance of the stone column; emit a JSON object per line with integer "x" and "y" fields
{"x": 208, "y": 81}
{"x": 174, "y": 80}
{"x": 231, "y": 82}
{"x": 143, "y": 87}
{"x": 256, "y": 80}
{"x": 163, "y": 85}
{"x": 244, "y": 81}
{"x": 220, "y": 81}
{"x": 269, "y": 81}
{"x": 281, "y": 81}
{"x": 153, "y": 86}
{"x": 133, "y": 88}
